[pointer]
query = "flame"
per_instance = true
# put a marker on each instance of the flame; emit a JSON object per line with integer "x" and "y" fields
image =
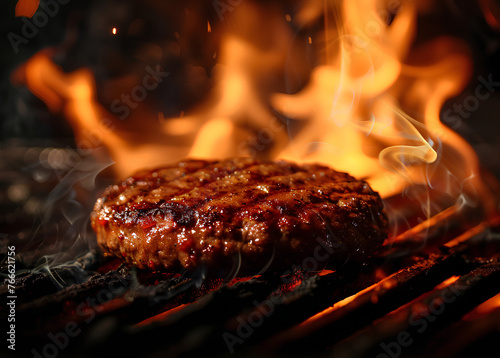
{"x": 353, "y": 113}
{"x": 26, "y": 8}
{"x": 353, "y": 98}
{"x": 73, "y": 95}
{"x": 356, "y": 105}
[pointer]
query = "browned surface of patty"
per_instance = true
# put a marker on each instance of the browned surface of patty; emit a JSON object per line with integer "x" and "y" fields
{"x": 217, "y": 213}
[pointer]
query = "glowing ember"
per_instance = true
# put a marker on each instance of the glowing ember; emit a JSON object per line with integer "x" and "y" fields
{"x": 321, "y": 315}
{"x": 485, "y": 308}
{"x": 160, "y": 317}
{"x": 447, "y": 282}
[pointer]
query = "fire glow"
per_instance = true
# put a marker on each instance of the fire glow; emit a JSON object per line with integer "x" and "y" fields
{"x": 353, "y": 113}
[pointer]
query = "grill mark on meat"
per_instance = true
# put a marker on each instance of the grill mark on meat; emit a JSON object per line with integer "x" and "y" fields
{"x": 202, "y": 212}
{"x": 180, "y": 213}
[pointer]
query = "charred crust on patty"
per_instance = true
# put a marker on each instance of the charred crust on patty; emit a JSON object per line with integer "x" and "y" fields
{"x": 204, "y": 213}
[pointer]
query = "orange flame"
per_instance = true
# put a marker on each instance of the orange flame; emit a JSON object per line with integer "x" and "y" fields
{"x": 26, "y": 8}
{"x": 354, "y": 100}
{"x": 352, "y": 114}
{"x": 129, "y": 143}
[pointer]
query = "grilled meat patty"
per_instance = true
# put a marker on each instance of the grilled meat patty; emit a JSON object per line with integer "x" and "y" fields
{"x": 239, "y": 213}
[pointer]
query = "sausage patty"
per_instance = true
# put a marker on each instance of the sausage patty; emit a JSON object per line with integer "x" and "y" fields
{"x": 241, "y": 213}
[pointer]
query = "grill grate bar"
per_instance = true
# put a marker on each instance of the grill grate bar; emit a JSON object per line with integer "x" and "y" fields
{"x": 410, "y": 327}
{"x": 213, "y": 311}
{"x": 383, "y": 298}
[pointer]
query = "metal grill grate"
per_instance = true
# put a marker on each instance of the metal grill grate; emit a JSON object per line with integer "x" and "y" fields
{"x": 349, "y": 312}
